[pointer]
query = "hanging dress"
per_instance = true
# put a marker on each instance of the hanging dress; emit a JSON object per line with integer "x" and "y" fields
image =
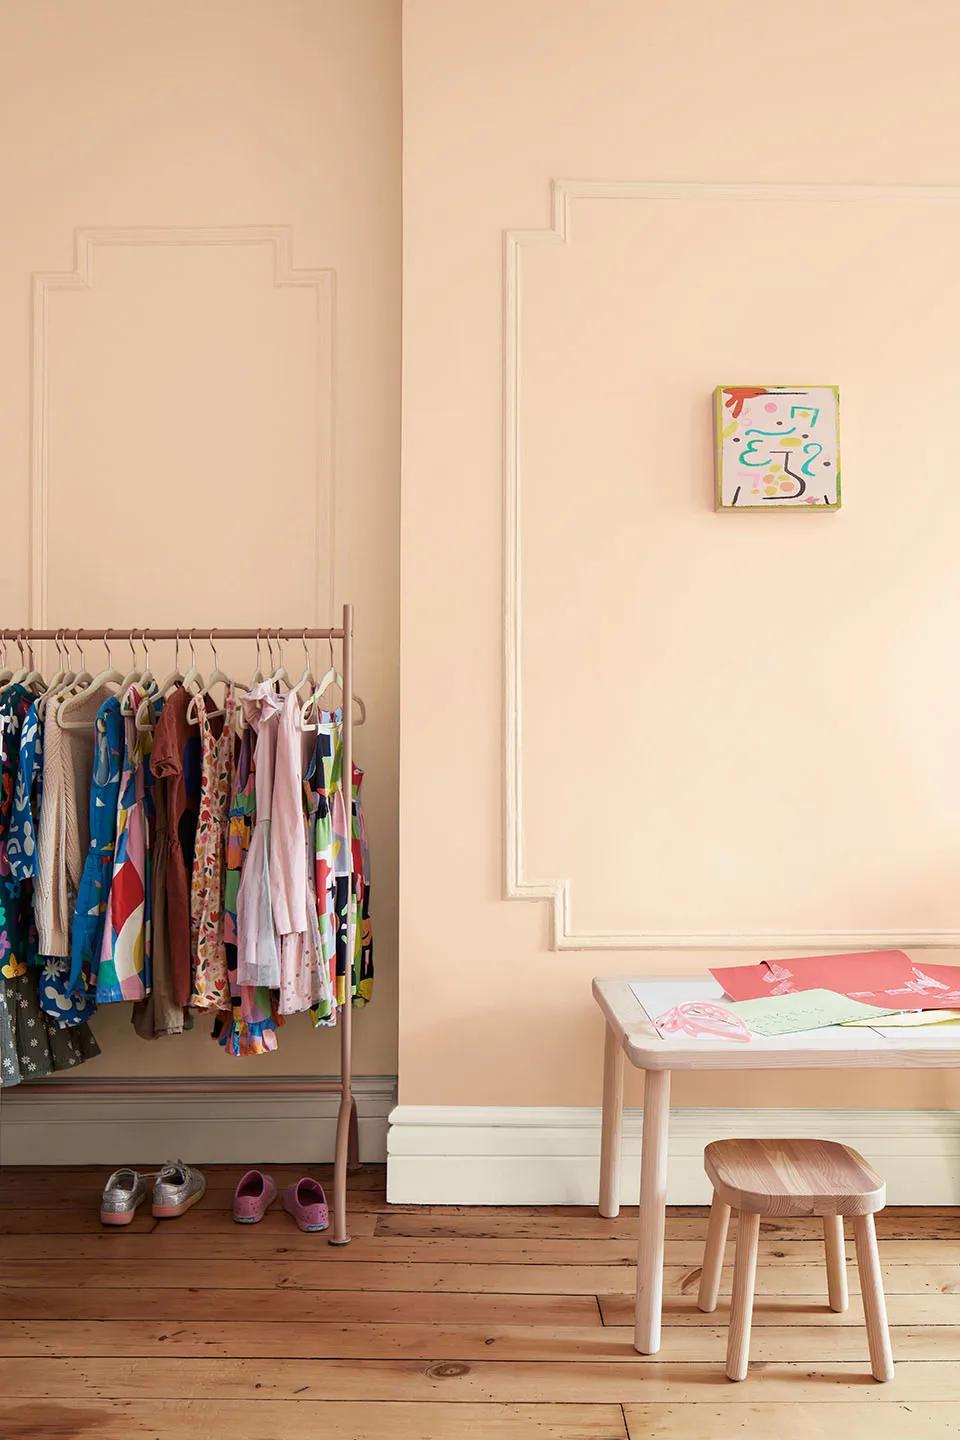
{"x": 324, "y": 1008}
{"x": 304, "y": 980}
{"x": 250, "y": 1027}
{"x": 93, "y": 896}
{"x": 258, "y": 943}
{"x": 333, "y": 865}
{"x": 159, "y": 1013}
{"x": 211, "y": 984}
{"x": 174, "y": 764}
{"x": 124, "y": 972}
{"x": 31, "y": 1045}
{"x": 27, "y": 798}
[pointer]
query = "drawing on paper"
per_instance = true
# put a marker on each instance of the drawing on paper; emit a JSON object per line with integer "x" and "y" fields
{"x": 778, "y": 446}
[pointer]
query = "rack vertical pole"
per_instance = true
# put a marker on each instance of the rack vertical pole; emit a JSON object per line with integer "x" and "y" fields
{"x": 345, "y": 1115}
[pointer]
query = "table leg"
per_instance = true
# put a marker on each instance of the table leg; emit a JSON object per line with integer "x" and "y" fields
{"x": 611, "y": 1124}
{"x": 653, "y": 1208}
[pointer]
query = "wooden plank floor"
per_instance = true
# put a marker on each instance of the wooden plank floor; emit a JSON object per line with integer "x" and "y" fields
{"x": 442, "y": 1323}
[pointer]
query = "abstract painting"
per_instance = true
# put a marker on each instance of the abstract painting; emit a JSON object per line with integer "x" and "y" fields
{"x": 778, "y": 447}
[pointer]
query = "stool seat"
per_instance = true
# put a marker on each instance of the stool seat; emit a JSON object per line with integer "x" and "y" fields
{"x": 793, "y": 1177}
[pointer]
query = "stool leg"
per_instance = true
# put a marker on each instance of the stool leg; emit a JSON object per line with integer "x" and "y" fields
{"x": 874, "y": 1304}
{"x": 713, "y": 1255}
{"x": 741, "y": 1306}
{"x": 836, "y": 1261}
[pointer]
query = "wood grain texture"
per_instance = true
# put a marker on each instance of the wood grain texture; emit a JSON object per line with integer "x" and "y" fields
{"x": 837, "y": 1289}
{"x": 303, "y": 1420}
{"x": 449, "y": 1325}
{"x": 496, "y": 1381}
{"x": 827, "y": 1421}
{"x": 741, "y": 1303}
{"x": 611, "y": 1126}
{"x": 793, "y": 1177}
{"x": 874, "y": 1304}
{"x": 713, "y": 1254}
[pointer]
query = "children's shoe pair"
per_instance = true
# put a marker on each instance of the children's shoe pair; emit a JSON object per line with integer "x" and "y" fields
{"x": 176, "y": 1188}
{"x": 304, "y": 1200}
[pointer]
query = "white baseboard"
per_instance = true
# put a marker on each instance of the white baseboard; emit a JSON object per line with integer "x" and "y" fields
{"x": 466, "y": 1155}
{"x": 150, "y": 1122}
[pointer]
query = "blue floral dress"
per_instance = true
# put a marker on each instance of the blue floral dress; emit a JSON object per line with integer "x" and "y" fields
{"x": 31, "y": 1044}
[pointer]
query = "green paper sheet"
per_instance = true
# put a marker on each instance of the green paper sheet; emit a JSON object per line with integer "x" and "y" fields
{"x": 803, "y": 1010}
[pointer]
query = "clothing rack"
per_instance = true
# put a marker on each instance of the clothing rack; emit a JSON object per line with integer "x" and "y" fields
{"x": 346, "y": 1154}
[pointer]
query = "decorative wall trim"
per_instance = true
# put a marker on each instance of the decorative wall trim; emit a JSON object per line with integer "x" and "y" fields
{"x": 82, "y": 277}
{"x": 466, "y": 1155}
{"x": 558, "y": 892}
{"x": 207, "y": 1121}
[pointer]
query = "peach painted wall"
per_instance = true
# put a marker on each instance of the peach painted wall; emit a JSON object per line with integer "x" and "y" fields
{"x": 724, "y": 727}
{"x": 217, "y": 421}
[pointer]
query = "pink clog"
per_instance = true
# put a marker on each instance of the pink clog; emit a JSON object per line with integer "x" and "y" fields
{"x": 307, "y": 1203}
{"x": 252, "y": 1198}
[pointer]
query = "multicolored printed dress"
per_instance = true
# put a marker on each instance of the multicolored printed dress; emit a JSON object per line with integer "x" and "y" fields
{"x": 93, "y": 894}
{"x": 333, "y": 865}
{"x": 250, "y": 1027}
{"x": 31, "y": 1045}
{"x": 211, "y": 984}
{"x": 125, "y": 950}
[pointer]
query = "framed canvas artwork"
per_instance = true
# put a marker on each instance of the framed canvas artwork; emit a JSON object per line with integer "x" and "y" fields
{"x": 778, "y": 447}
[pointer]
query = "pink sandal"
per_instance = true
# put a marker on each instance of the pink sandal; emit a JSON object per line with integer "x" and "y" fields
{"x": 252, "y": 1198}
{"x": 306, "y": 1202}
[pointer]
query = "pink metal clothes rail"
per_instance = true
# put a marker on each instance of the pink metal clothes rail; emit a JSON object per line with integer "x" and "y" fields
{"x": 346, "y": 1154}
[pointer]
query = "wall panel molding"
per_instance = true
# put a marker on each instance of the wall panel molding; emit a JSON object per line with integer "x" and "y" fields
{"x": 557, "y": 892}
{"x": 216, "y": 1120}
{"x": 517, "y": 1155}
{"x": 87, "y": 240}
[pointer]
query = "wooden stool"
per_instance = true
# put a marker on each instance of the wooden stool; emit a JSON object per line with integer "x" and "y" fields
{"x": 792, "y": 1178}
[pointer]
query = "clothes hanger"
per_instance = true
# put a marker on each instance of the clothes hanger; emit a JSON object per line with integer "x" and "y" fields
{"x": 193, "y": 680}
{"x": 176, "y": 676}
{"x": 332, "y": 677}
{"x": 83, "y": 676}
{"x": 144, "y": 717}
{"x": 141, "y": 680}
{"x": 16, "y": 677}
{"x": 6, "y": 671}
{"x": 279, "y": 676}
{"x": 307, "y": 677}
{"x": 217, "y": 677}
{"x": 34, "y": 678}
{"x": 258, "y": 676}
{"x": 64, "y": 677}
{"x": 109, "y": 676}
{"x": 27, "y": 676}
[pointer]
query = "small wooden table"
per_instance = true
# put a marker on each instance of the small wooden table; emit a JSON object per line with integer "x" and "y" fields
{"x": 630, "y": 1033}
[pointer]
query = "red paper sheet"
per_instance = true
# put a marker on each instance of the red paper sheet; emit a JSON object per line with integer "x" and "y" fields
{"x": 888, "y": 978}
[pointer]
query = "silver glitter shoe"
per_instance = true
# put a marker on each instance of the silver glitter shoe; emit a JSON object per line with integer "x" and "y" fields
{"x": 123, "y": 1192}
{"x": 178, "y": 1187}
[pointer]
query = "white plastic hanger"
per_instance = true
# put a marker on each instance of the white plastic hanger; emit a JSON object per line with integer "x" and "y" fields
{"x": 332, "y": 677}
{"x": 141, "y": 682}
{"x": 217, "y": 677}
{"x": 144, "y": 720}
{"x": 6, "y": 671}
{"x": 64, "y": 677}
{"x": 109, "y": 676}
{"x": 193, "y": 680}
{"x": 279, "y": 676}
{"x": 83, "y": 676}
{"x": 26, "y": 675}
{"x": 306, "y": 677}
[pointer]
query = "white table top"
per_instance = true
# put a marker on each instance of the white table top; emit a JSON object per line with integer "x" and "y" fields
{"x": 833, "y": 1048}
